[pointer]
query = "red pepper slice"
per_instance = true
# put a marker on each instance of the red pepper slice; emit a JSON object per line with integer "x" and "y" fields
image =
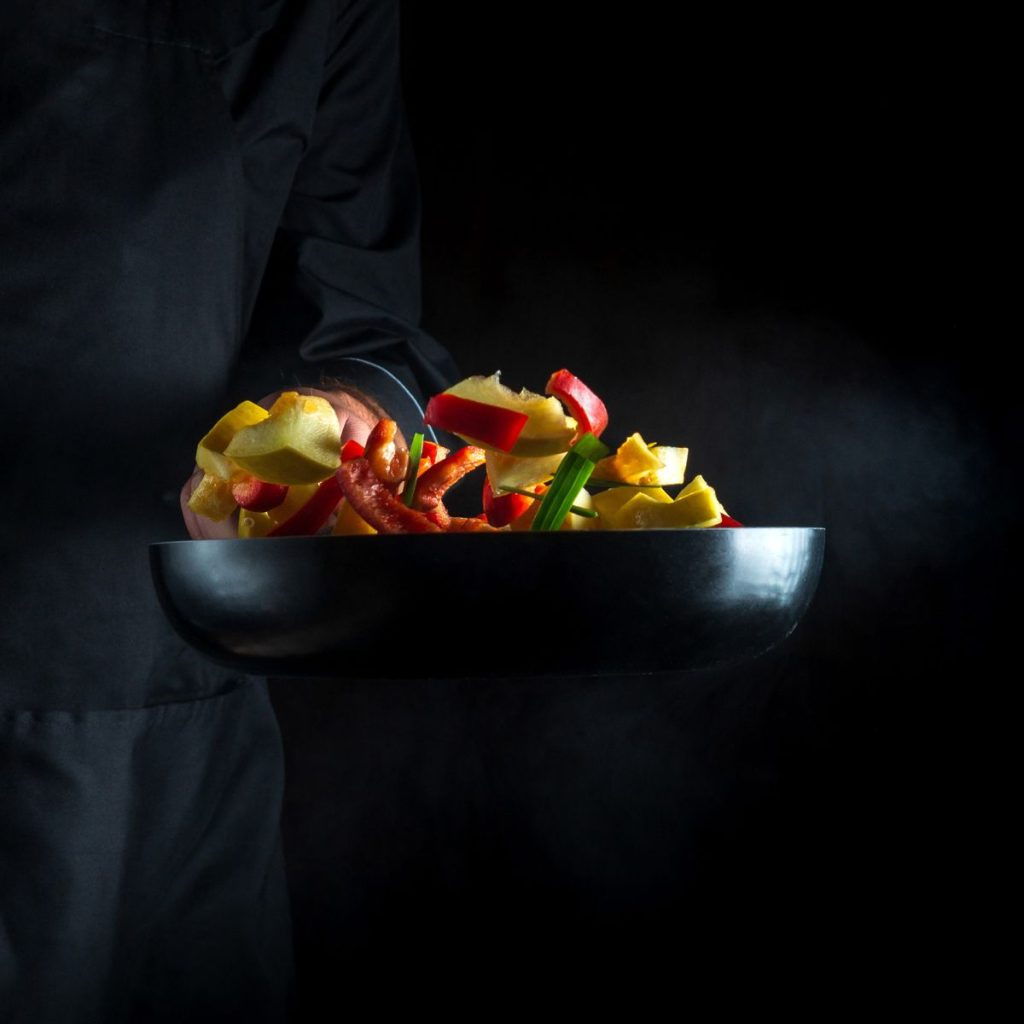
{"x": 728, "y": 521}
{"x": 257, "y": 495}
{"x": 584, "y": 406}
{"x": 431, "y": 487}
{"x": 314, "y": 514}
{"x": 432, "y": 454}
{"x": 376, "y": 504}
{"x": 352, "y": 450}
{"x": 489, "y": 424}
{"x": 472, "y": 524}
{"x": 502, "y": 509}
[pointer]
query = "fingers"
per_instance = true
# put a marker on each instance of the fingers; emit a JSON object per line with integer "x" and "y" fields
{"x": 353, "y": 429}
{"x": 355, "y": 420}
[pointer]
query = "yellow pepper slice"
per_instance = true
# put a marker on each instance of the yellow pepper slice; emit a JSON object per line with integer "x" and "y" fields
{"x": 698, "y": 483}
{"x": 672, "y": 469}
{"x": 513, "y": 471}
{"x": 650, "y": 465}
{"x": 350, "y": 523}
{"x": 650, "y": 508}
{"x": 632, "y": 460}
{"x": 610, "y": 503}
{"x": 299, "y": 443}
{"x": 259, "y": 524}
{"x": 212, "y": 498}
{"x": 698, "y": 508}
{"x": 210, "y": 455}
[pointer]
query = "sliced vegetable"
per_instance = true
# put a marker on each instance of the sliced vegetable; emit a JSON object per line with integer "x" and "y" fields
{"x": 586, "y": 408}
{"x": 254, "y": 524}
{"x": 609, "y": 503}
{"x": 505, "y": 471}
{"x": 388, "y": 458}
{"x": 350, "y": 523}
{"x": 435, "y": 482}
{"x": 352, "y": 450}
{"x": 642, "y": 511}
{"x": 503, "y": 508}
{"x": 472, "y": 524}
{"x": 259, "y": 524}
{"x": 538, "y": 494}
{"x": 212, "y": 498}
{"x": 580, "y": 516}
{"x": 415, "y": 455}
{"x": 257, "y": 495}
{"x": 699, "y": 508}
{"x": 633, "y": 460}
{"x": 314, "y": 514}
{"x": 375, "y": 503}
{"x": 672, "y": 470}
{"x": 210, "y": 457}
{"x": 572, "y": 475}
{"x": 488, "y": 424}
{"x": 548, "y": 432}
{"x": 698, "y": 483}
{"x": 298, "y": 443}
{"x": 538, "y": 458}
{"x": 434, "y": 452}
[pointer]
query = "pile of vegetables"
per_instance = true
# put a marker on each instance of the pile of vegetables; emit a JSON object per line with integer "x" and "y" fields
{"x": 287, "y": 473}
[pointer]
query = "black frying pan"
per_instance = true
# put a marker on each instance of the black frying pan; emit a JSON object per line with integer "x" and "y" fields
{"x": 482, "y": 604}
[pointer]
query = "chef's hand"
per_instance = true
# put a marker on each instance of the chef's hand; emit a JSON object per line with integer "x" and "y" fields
{"x": 356, "y": 418}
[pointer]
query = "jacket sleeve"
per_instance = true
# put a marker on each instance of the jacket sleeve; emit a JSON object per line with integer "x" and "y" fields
{"x": 342, "y": 285}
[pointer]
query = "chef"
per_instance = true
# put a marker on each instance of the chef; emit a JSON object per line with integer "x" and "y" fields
{"x": 201, "y": 202}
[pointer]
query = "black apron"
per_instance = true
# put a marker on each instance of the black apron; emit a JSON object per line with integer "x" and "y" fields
{"x": 199, "y": 202}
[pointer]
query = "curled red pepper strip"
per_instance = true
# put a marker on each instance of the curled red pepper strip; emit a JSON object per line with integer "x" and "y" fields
{"x": 433, "y": 452}
{"x": 430, "y": 487}
{"x": 587, "y": 409}
{"x": 438, "y": 515}
{"x": 474, "y": 524}
{"x": 314, "y": 514}
{"x": 389, "y": 462}
{"x": 373, "y": 500}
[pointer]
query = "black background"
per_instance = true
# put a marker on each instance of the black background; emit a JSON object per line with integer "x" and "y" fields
{"x": 750, "y": 238}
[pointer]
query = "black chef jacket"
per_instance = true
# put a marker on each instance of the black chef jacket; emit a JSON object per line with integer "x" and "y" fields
{"x": 200, "y": 202}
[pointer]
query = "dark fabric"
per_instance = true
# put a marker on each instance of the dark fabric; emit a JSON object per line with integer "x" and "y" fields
{"x": 166, "y": 172}
{"x": 170, "y": 174}
{"x": 140, "y": 864}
